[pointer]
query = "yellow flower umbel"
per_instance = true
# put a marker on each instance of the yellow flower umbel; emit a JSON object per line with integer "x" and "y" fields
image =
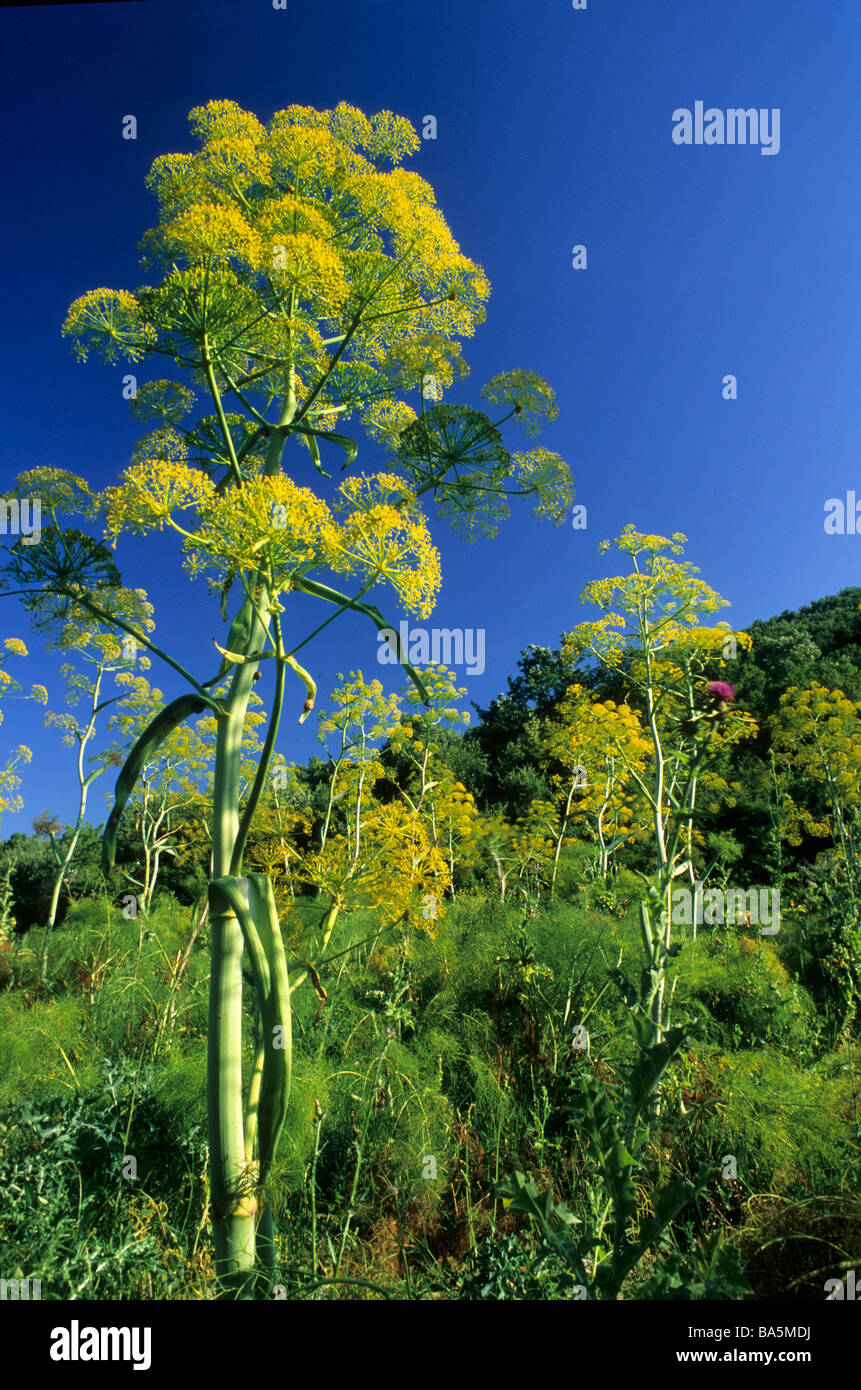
{"x": 268, "y": 524}
{"x": 151, "y": 491}
{"x": 384, "y": 535}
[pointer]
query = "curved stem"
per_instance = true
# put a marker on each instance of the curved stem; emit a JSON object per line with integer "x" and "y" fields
{"x": 262, "y": 769}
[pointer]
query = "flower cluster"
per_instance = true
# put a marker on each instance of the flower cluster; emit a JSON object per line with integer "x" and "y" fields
{"x": 385, "y": 535}
{"x": 151, "y": 490}
{"x": 533, "y": 401}
{"x": 721, "y": 691}
{"x": 112, "y": 322}
{"x": 57, "y": 490}
{"x": 268, "y": 524}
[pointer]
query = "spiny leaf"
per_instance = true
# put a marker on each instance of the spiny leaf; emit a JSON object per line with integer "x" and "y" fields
{"x": 602, "y": 1125}
{"x": 668, "y": 1202}
{"x": 645, "y": 1076}
{"x": 521, "y": 1195}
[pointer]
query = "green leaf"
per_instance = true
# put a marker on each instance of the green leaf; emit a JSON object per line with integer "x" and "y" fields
{"x": 304, "y": 585}
{"x": 668, "y": 1202}
{"x": 600, "y": 1118}
{"x": 350, "y": 446}
{"x": 238, "y": 638}
{"x": 314, "y": 450}
{"x": 626, "y": 989}
{"x": 523, "y": 1197}
{"x": 310, "y": 687}
{"x": 645, "y": 1075}
{"x": 153, "y": 736}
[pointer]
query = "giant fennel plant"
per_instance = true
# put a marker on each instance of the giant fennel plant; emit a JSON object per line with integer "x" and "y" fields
{"x": 299, "y": 279}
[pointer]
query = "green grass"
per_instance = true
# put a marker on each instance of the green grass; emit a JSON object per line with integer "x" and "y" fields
{"x": 433, "y": 1069}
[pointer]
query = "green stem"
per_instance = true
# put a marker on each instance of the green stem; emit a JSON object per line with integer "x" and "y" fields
{"x": 318, "y": 1125}
{"x": 261, "y": 774}
{"x": 234, "y": 1206}
{"x": 112, "y": 618}
{"x": 84, "y": 784}
{"x": 219, "y": 410}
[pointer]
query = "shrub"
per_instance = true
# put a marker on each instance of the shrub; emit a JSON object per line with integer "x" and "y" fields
{"x": 750, "y": 998}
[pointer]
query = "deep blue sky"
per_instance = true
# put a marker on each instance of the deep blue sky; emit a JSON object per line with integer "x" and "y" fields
{"x": 554, "y": 128}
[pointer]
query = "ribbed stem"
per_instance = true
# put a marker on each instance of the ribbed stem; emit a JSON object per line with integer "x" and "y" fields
{"x": 231, "y": 1180}
{"x": 234, "y": 1205}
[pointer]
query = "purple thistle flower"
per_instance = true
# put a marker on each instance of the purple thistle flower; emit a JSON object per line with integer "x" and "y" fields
{"x": 721, "y": 690}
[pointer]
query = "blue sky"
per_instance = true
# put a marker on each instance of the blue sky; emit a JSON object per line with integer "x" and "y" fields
{"x": 554, "y": 129}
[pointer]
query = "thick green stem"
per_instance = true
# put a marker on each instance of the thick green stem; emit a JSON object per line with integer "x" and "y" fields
{"x": 234, "y": 1206}
{"x": 262, "y": 771}
{"x": 253, "y": 1106}
{"x": 231, "y": 1180}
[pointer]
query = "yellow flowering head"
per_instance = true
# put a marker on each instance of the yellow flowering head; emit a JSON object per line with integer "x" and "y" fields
{"x": 112, "y": 322}
{"x": 384, "y": 535}
{"x": 58, "y": 490}
{"x": 203, "y": 234}
{"x": 269, "y": 524}
{"x": 302, "y": 265}
{"x": 155, "y": 486}
{"x": 384, "y": 134}
{"x": 546, "y": 477}
{"x": 532, "y": 400}
{"x": 384, "y": 421}
{"x": 162, "y": 401}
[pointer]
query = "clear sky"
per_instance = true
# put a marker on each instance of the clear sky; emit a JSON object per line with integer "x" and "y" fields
{"x": 554, "y": 129}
